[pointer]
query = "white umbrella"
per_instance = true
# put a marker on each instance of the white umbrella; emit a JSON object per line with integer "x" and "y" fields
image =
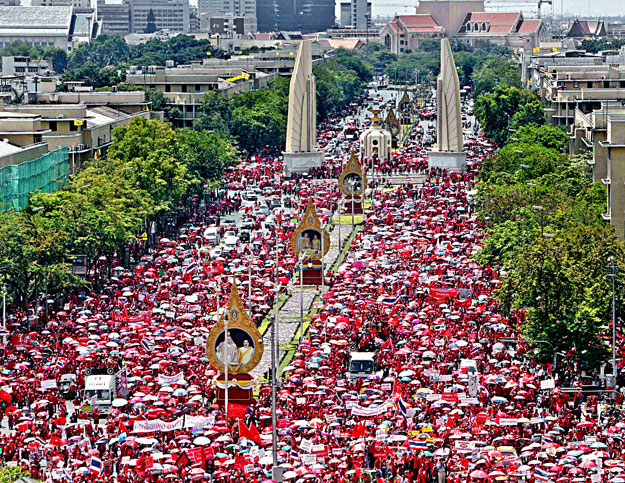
{"x": 201, "y": 441}
{"x": 118, "y": 403}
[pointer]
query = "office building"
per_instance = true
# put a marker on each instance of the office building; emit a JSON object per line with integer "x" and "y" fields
{"x": 45, "y": 27}
{"x": 228, "y": 26}
{"x": 10, "y": 3}
{"x": 295, "y": 15}
{"x": 356, "y": 14}
{"x": 114, "y": 18}
{"x": 172, "y": 15}
{"x": 233, "y": 7}
{"x": 25, "y": 66}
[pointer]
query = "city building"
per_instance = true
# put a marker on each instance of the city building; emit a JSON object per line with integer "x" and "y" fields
{"x": 404, "y": 32}
{"x": 449, "y": 14}
{"x": 295, "y": 15}
{"x": 83, "y": 130}
{"x": 58, "y": 27}
{"x": 114, "y": 18}
{"x": 356, "y": 14}
{"x": 227, "y": 25}
{"x": 507, "y": 29}
{"x": 185, "y": 86}
{"x": 10, "y": 3}
{"x": 25, "y": 66}
{"x": 350, "y": 33}
{"x": 172, "y": 15}
{"x": 77, "y": 4}
{"x": 242, "y": 8}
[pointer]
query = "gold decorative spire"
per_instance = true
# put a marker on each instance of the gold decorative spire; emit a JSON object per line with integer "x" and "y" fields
{"x": 305, "y": 233}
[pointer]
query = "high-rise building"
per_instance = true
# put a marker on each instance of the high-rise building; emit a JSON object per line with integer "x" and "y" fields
{"x": 10, "y": 3}
{"x": 170, "y": 15}
{"x": 356, "y": 14}
{"x": 237, "y": 8}
{"x": 114, "y": 18}
{"x": 299, "y": 15}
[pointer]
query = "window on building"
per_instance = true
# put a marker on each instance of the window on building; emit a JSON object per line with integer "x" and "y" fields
{"x": 52, "y": 125}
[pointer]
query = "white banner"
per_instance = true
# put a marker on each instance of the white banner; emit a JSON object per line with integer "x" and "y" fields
{"x": 199, "y": 421}
{"x": 157, "y": 425}
{"x": 508, "y": 421}
{"x": 547, "y": 384}
{"x": 49, "y": 384}
{"x": 167, "y": 380}
{"x": 368, "y": 412}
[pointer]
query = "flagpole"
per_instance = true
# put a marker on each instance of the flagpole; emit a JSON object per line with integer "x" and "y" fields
{"x": 226, "y": 362}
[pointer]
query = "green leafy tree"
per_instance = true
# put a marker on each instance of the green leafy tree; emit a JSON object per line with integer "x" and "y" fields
{"x": 147, "y": 148}
{"x": 546, "y": 135}
{"x": 495, "y": 110}
{"x": 205, "y": 154}
{"x": 494, "y": 72}
{"x": 103, "y": 51}
{"x": 10, "y": 474}
{"x": 529, "y": 113}
{"x": 58, "y": 57}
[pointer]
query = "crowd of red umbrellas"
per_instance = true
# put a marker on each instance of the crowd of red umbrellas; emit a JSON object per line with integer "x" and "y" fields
{"x": 448, "y": 400}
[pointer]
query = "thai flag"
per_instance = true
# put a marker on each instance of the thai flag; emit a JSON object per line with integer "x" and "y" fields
{"x": 61, "y": 362}
{"x": 4, "y": 333}
{"x": 147, "y": 344}
{"x": 67, "y": 476}
{"x": 439, "y": 327}
{"x": 40, "y": 442}
{"x": 290, "y": 398}
{"x": 418, "y": 445}
{"x": 547, "y": 439}
{"x": 96, "y": 466}
{"x": 475, "y": 351}
{"x": 245, "y": 71}
{"x": 286, "y": 43}
{"x": 190, "y": 268}
{"x": 401, "y": 406}
{"x": 541, "y": 475}
{"x": 295, "y": 455}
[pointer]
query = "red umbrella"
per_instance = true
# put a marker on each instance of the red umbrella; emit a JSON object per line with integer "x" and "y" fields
{"x": 479, "y": 474}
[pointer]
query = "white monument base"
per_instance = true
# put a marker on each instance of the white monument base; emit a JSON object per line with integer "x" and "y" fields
{"x": 301, "y": 162}
{"x": 447, "y": 160}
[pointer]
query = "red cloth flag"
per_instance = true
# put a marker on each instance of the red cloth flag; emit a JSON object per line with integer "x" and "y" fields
{"x": 196, "y": 455}
{"x": 255, "y": 434}
{"x": 237, "y": 410}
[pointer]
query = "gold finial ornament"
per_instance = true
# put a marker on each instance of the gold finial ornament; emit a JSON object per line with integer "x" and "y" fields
{"x": 242, "y": 347}
{"x": 352, "y": 181}
{"x": 306, "y": 238}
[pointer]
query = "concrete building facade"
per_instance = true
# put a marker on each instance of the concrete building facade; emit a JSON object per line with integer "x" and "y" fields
{"x": 356, "y": 14}
{"x": 114, "y": 17}
{"x": 295, "y": 15}
{"x": 170, "y": 15}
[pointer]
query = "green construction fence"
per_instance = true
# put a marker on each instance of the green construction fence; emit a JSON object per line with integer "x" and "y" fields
{"x": 45, "y": 174}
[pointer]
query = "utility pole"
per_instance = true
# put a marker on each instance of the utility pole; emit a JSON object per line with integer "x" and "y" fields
{"x": 612, "y": 273}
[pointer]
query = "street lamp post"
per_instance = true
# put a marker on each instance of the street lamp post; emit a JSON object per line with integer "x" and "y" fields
{"x": 276, "y": 471}
{"x": 301, "y": 296}
{"x": 612, "y": 273}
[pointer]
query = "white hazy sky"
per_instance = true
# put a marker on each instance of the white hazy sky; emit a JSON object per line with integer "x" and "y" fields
{"x": 575, "y": 7}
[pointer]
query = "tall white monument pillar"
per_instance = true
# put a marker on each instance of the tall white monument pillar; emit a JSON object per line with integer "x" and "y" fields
{"x": 449, "y": 137}
{"x": 301, "y": 130}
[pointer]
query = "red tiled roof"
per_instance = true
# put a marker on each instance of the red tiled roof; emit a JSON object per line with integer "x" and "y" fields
{"x": 419, "y": 23}
{"x": 529, "y": 26}
{"x": 495, "y": 18}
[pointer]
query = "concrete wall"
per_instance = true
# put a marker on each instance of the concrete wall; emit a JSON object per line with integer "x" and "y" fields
{"x": 450, "y": 13}
{"x": 27, "y": 154}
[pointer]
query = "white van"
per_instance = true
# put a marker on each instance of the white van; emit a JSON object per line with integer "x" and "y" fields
{"x": 212, "y": 235}
{"x": 230, "y": 243}
{"x": 105, "y": 388}
{"x": 361, "y": 364}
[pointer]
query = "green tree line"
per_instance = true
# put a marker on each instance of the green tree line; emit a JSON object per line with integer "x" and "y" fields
{"x": 542, "y": 212}
{"x": 150, "y": 167}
